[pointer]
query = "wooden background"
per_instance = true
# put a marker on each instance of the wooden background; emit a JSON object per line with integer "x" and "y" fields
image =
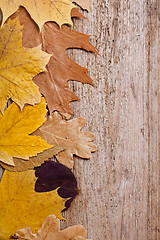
{"x": 120, "y": 185}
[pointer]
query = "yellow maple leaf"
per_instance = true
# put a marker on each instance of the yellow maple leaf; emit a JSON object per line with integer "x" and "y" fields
{"x": 21, "y": 206}
{"x": 41, "y": 10}
{"x": 18, "y": 66}
{"x": 16, "y": 126}
{"x": 23, "y": 165}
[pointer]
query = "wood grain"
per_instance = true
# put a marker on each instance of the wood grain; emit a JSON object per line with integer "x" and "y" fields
{"x": 120, "y": 185}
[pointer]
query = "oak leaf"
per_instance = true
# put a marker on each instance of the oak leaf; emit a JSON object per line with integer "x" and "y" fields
{"x": 50, "y": 230}
{"x": 31, "y": 35}
{"x": 24, "y": 165}
{"x": 52, "y": 175}
{"x": 40, "y": 10}
{"x": 18, "y": 66}
{"x": 16, "y": 126}
{"x": 68, "y": 134}
{"x": 21, "y": 206}
{"x": 75, "y": 13}
{"x": 61, "y": 69}
{"x": 85, "y": 4}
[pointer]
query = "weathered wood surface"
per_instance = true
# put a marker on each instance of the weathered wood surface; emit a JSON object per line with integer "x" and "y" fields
{"x": 120, "y": 187}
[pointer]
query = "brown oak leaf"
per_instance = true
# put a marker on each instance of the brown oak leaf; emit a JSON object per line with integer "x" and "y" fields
{"x": 31, "y": 33}
{"x": 76, "y": 14}
{"x": 50, "y": 230}
{"x": 67, "y": 133}
{"x": 60, "y": 69}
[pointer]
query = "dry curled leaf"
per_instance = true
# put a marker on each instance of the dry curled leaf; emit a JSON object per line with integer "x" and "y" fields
{"x": 40, "y": 10}
{"x": 18, "y": 66}
{"x": 16, "y": 126}
{"x": 21, "y": 206}
{"x": 85, "y": 4}
{"x": 50, "y": 230}
{"x": 24, "y": 165}
{"x": 68, "y": 134}
{"x": 52, "y": 175}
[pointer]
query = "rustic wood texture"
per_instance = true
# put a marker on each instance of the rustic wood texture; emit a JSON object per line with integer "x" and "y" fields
{"x": 120, "y": 187}
{"x": 119, "y": 198}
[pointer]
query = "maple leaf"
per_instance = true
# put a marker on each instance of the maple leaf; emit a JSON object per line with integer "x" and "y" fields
{"x": 51, "y": 230}
{"x": 66, "y": 133}
{"x": 85, "y": 4}
{"x": 31, "y": 35}
{"x": 41, "y": 10}
{"x": 23, "y": 165}
{"x": 21, "y": 206}
{"x": 16, "y": 126}
{"x": 52, "y": 175}
{"x": 61, "y": 69}
{"x": 18, "y": 65}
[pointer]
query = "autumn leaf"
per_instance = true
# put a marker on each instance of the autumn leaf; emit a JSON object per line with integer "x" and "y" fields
{"x": 67, "y": 134}
{"x": 23, "y": 165}
{"x": 31, "y": 35}
{"x": 50, "y": 230}
{"x": 21, "y": 206}
{"x": 18, "y": 66}
{"x": 52, "y": 175}
{"x": 76, "y": 14}
{"x": 41, "y": 10}
{"x": 85, "y": 4}
{"x": 61, "y": 69}
{"x": 16, "y": 126}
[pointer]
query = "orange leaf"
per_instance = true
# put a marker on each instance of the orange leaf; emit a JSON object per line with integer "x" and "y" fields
{"x": 61, "y": 69}
{"x": 68, "y": 134}
{"x": 50, "y": 230}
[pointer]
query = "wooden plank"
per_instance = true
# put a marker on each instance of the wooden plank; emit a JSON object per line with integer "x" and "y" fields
{"x": 120, "y": 188}
{"x": 119, "y": 198}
